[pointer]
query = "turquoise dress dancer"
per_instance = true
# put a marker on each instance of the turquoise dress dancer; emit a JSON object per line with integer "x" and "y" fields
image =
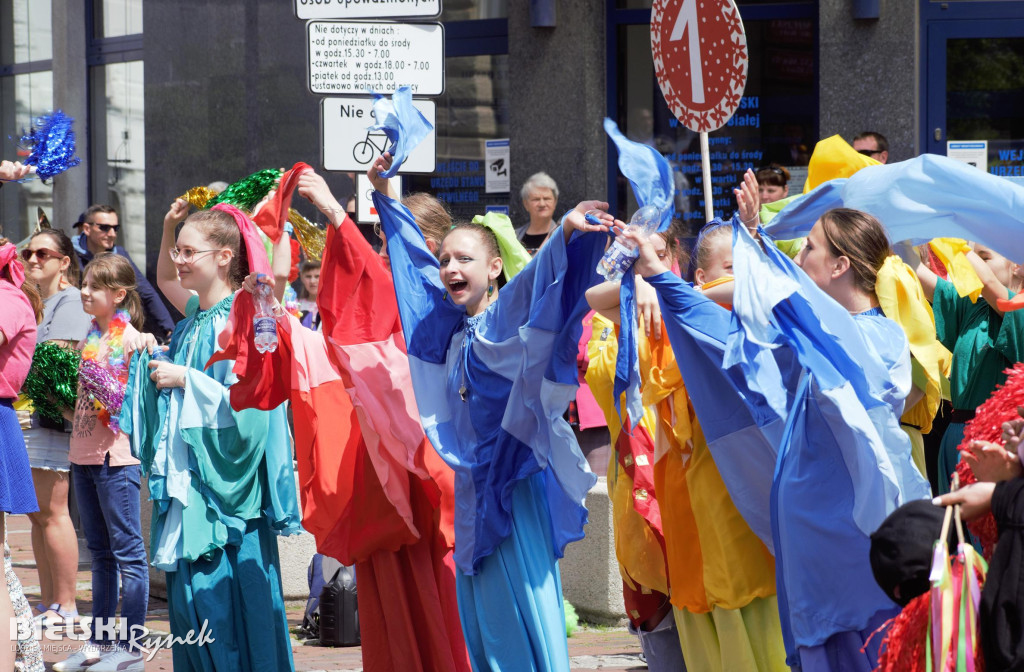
{"x": 491, "y": 390}
{"x": 222, "y": 486}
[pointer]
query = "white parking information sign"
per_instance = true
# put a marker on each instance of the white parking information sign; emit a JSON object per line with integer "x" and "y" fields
{"x": 365, "y": 212}
{"x": 367, "y": 9}
{"x": 349, "y": 57}
{"x": 348, "y": 145}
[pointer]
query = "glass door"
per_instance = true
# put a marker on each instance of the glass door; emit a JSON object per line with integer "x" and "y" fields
{"x": 975, "y": 90}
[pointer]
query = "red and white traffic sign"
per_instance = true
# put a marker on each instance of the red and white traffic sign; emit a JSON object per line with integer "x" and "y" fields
{"x": 700, "y": 59}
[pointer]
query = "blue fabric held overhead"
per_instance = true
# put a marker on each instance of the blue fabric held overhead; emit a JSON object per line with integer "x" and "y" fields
{"x": 650, "y": 175}
{"x": 491, "y": 389}
{"x": 801, "y": 413}
{"x": 927, "y": 197}
{"x": 404, "y": 125}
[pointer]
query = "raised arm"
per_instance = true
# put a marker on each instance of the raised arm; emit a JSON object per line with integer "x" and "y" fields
{"x": 382, "y": 184}
{"x": 313, "y": 187}
{"x": 992, "y": 290}
{"x": 282, "y": 265}
{"x": 166, "y": 274}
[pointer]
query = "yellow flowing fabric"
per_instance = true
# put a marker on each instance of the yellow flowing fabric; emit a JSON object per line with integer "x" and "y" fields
{"x": 952, "y": 252}
{"x": 902, "y": 300}
{"x": 641, "y": 560}
{"x": 834, "y": 157}
{"x": 722, "y": 578}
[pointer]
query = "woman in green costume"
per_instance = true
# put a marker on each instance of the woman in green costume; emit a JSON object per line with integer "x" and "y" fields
{"x": 221, "y": 481}
{"x": 984, "y": 342}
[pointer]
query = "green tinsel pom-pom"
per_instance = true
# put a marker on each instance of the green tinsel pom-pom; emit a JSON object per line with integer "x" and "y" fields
{"x": 248, "y": 191}
{"x": 52, "y": 382}
{"x": 572, "y": 621}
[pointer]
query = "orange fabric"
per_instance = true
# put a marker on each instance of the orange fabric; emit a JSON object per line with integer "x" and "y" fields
{"x": 714, "y": 559}
{"x": 638, "y": 546}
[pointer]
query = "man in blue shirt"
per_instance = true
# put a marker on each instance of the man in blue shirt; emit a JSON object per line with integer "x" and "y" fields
{"x": 99, "y": 234}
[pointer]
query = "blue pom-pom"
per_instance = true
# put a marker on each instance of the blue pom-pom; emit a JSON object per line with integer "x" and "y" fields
{"x": 51, "y": 145}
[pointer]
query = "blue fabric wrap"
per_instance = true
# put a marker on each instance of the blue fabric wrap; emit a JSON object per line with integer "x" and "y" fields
{"x": 650, "y": 175}
{"x": 808, "y": 393}
{"x": 926, "y": 197}
{"x": 517, "y": 360}
{"x": 404, "y": 125}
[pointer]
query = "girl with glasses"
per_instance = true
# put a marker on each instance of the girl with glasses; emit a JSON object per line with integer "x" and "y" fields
{"x": 221, "y": 480}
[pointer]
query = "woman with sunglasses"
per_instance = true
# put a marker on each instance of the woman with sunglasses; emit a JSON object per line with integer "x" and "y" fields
{"x": 52, "y": 266}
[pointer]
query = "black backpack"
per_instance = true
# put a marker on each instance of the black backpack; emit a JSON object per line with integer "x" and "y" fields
{"x": 339, "y": 610}
{"x": 321, "y": 569}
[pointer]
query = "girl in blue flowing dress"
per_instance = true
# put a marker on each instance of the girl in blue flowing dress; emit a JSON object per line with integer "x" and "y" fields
{"x": 804, "y": 383}
{"x": 493, "y": 372}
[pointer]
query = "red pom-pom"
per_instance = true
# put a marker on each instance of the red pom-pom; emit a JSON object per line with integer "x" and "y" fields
{"x": 904, "y": 648}
{"x": 987, "y": 425}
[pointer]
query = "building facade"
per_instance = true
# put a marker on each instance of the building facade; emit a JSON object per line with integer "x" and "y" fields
{"x": 171, "y": 94}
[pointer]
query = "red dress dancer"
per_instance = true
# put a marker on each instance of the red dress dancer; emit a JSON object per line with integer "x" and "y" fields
{"x": 374, "y": 492}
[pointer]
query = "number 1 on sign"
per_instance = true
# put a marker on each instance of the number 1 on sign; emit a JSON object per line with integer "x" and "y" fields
{"x": 686, "y": 22}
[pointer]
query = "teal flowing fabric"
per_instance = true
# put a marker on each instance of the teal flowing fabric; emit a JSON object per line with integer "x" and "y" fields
{"x": 222, "y": 484}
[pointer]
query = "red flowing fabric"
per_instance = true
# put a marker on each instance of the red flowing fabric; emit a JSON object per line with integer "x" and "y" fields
{"x": 389, "y": 510}
{"x": 272, "y": 216}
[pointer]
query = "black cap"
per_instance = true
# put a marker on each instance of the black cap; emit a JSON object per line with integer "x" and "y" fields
{"x": 901, "y": 549}
{"x": 81, "y": 220}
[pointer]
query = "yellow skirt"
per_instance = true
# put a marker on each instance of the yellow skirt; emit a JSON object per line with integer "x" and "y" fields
{"x": 725, "y": 640}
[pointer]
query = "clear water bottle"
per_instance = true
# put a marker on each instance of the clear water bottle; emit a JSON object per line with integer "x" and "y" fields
{"x": 264, "y": 323}
{"x": 160, "y": 355}
{"x": 621, "y": 254}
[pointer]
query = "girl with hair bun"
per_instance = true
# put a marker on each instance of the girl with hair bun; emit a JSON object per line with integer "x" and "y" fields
{"x": 799, "y": 394}
{"x": 221, "y": 481}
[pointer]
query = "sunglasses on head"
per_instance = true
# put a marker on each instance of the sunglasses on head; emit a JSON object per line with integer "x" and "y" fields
{"x": 774, "y": 169}
{"x": 107, "y": 228}
{"x": 42, "y": 253}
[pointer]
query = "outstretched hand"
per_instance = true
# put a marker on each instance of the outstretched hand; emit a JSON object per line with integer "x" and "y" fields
{"x": 975, "y": 500}
{"x": 381, "y": 165}
{"x": 176, "y": 213}
{"x": 748, "y": 201}
{"x": 15, "y": 170}
{"x": 576, "y": 220}
{"x": 648, "y": 263}
{"x": 991, "y": 462}
{"x": 314, "y": 188}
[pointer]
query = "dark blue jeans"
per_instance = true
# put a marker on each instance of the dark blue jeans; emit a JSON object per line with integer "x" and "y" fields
{"x": 109, "y": 502}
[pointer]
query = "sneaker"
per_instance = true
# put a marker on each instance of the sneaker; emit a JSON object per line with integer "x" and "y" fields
{"x": 80, "y": 660}
{"x": 120, "y": 660}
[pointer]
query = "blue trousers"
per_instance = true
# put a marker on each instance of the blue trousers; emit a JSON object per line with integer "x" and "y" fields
{"x": 109, "y": 502}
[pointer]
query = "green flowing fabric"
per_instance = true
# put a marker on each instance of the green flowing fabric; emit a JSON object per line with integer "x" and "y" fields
{"x": 211, "y": 469}
{"x": 514, "y": 256}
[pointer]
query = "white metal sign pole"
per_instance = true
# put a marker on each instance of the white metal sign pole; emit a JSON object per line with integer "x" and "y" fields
{"x": 705, "y": 164}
